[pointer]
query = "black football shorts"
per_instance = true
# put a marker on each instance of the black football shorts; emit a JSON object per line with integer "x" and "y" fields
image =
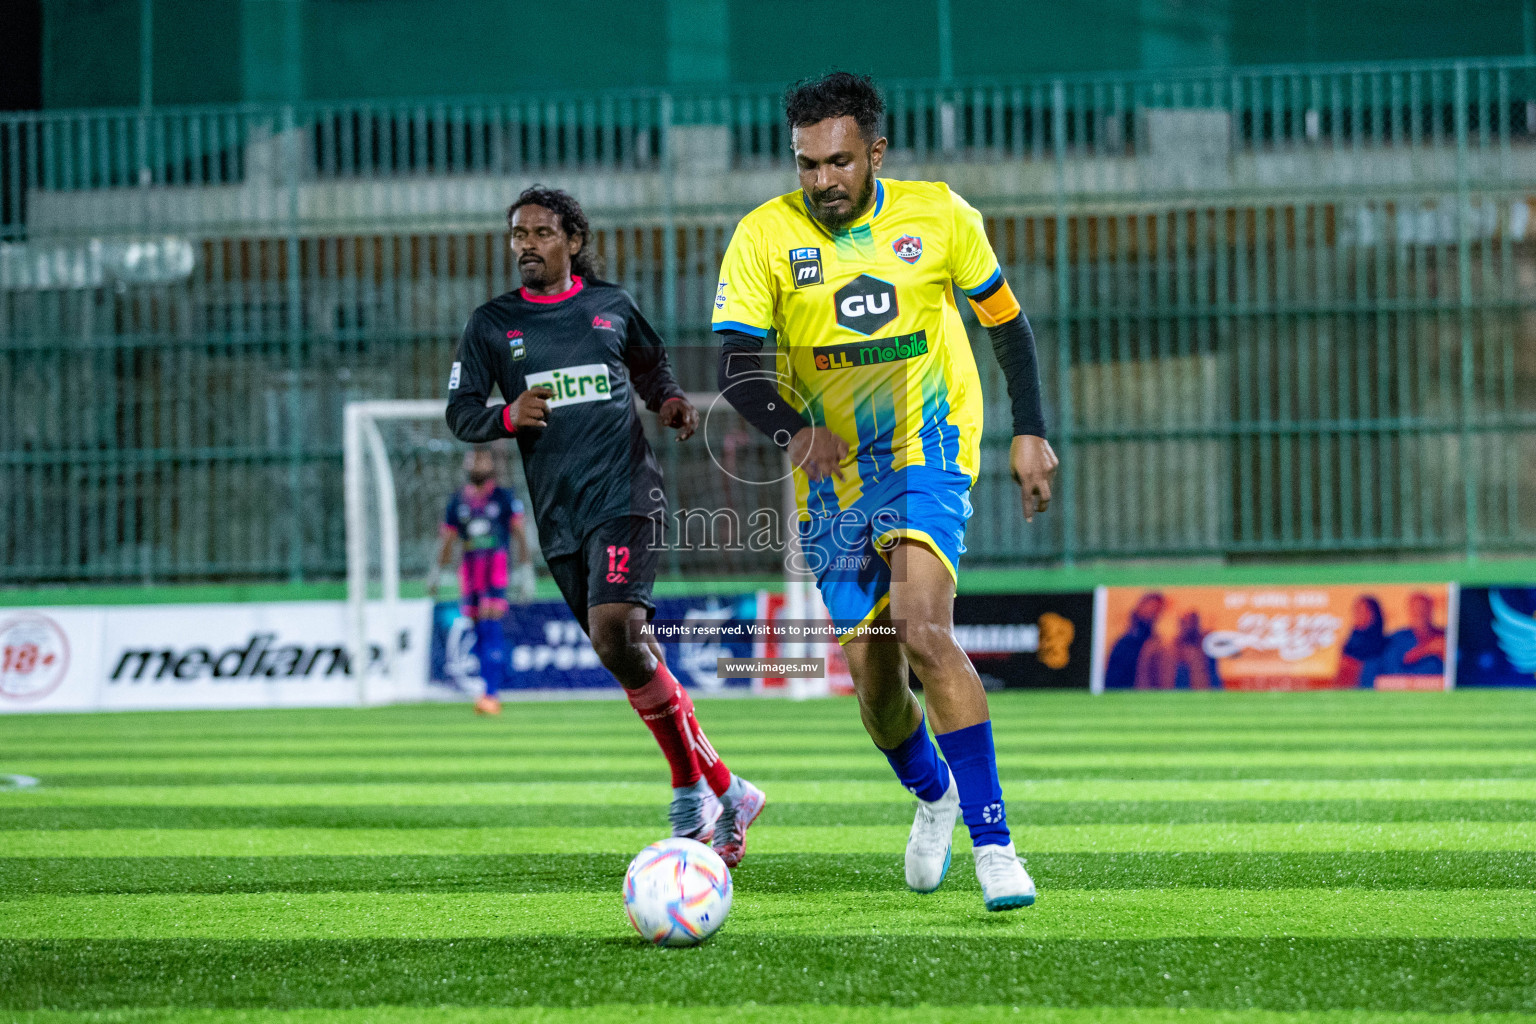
{"x": 616, "y": 564}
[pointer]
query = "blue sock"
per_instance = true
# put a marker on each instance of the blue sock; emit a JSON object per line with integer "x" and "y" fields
{"x": 916, "y": 763}
{"x": 974, "y": 762}
{"x": 491, "y": 649}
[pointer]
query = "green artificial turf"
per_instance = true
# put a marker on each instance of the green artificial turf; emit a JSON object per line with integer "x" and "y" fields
{"x": 1201, "y": 858}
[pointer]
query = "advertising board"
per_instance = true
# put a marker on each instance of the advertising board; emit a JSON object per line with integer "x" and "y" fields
{"x": 1387, "y": 637}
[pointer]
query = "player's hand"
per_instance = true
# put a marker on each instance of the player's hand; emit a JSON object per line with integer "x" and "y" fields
{"x": 819, "y": 452}
{"x": 531, "y": 408}
{"x": 1034, "y": 469}
{"x": 680, "y": 415}
{"x": 433, "y": 583}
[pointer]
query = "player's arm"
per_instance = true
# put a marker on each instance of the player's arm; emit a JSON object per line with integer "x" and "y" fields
{"x": 520, "y": 541}
{"x": 444, "y": 559}
{"x": 471, "y": 415}
{"x": 743, "y": 314}
{"x": 448, "y": 536}
{"x": 752, "y": 392}
{"x": 1030, "y": 456}
{"x": 522, "y": 581}
{"x": 1031, "y": 459}
{"x": 650, "y": 371}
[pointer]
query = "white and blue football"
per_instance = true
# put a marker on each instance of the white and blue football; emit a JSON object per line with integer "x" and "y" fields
{"x": 677, "y": 892}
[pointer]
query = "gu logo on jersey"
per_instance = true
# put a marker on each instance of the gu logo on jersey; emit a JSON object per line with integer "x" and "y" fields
{"x": 515, "y": 341}
{"x": 872, "y": 352}
{"x": 909, "y": 248}
{"x": 453, "y": 376}
{"x": 601, "y": 324}
{"x": 720, "y": 296}
{"x": 866, "y": 304}
{"x": 574, "y": 384}
{"x": 805, "y": 267}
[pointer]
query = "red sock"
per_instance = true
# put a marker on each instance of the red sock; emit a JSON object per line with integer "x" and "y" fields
{"x": 664, "y": 707}
{"x": 714, "y": 770}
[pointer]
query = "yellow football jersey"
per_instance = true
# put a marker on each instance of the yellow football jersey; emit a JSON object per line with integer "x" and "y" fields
{"x": 870, "y": 342}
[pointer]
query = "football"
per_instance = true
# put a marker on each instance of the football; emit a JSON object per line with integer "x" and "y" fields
{"x": 677, "y": 892}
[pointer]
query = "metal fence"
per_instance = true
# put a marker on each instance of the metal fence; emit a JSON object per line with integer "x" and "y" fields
{"x": 1281, "y": 311}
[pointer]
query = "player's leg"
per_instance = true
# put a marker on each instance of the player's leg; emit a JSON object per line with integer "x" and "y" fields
{"x": 491, "y": 650}
{"x": 922, "y": 601}
{"x": 663, "y": 706}
{"x": 573, "y": 575}
{"x": 855, "y": 586}
{"x": 895, "y": 721}
{"x": 621, "y": 571}
{"x": 480, "y": 603}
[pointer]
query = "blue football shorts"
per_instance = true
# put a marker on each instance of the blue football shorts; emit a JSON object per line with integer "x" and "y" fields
{"x": 849, "y": 553}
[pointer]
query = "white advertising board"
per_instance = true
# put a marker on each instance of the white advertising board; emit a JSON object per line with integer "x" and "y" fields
{"x": 161, "y": 657}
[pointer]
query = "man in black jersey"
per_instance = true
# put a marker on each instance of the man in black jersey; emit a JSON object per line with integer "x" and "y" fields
{"x": 573, "y": 351}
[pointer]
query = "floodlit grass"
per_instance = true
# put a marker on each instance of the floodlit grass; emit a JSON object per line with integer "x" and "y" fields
{"x": 1202, "y": 858}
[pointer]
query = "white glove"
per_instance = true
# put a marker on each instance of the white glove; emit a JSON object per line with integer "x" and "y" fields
{"x": 523, "y": 583}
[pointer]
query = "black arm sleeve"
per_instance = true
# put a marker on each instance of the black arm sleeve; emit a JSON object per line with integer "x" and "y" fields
{"x": 649, "y": 368}
{"x": 1014, "y": 344}
{"x": 468, "y": 416}
{"x": 752, "y": 393}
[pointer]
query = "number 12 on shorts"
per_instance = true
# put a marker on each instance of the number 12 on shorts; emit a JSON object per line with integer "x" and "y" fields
{"x": 618, "y": 563}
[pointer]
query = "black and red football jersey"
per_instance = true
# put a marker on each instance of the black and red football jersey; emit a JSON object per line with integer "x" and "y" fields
{"x": 592, "y": 347}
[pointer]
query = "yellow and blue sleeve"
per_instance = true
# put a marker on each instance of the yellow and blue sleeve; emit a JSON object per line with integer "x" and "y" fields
{"x": 974, "y": 267}
{"x": 744, "y": 296}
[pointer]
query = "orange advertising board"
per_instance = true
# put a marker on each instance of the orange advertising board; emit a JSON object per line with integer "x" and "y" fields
{"x": 1387, "y": 637}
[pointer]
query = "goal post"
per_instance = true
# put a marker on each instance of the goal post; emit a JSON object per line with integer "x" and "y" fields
{"x": 364, "y": 451}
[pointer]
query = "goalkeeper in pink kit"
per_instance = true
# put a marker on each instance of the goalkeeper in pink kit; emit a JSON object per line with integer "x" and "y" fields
{"x": 486, "y": 519}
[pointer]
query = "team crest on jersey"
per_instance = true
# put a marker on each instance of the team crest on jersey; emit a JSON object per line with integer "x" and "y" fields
{"x": 515, "y": 342}
{"x": 805, "y": 267}
{"x": 908, "y": 248}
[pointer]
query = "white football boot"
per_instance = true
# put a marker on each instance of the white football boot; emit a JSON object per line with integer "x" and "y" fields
{"x": 933, "y": 835}
{"x": 739, "y": 807}
{"x": 694, "y": 812}
{"x": 1005, "y": 885}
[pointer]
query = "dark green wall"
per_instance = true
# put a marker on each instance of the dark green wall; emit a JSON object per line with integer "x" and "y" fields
{"x": 359, "y": 48}
{"x": 787, "y": 39}
{"x": 91, "y": 52}
{"x": 1344, "y": 30}
{"x": 222, "y": 50}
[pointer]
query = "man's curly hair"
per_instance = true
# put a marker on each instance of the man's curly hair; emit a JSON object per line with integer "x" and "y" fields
{"x": 572, "y": 221}
{"x": 837, "y": 94}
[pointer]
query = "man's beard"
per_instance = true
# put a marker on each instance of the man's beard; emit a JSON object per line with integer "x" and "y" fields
{"x": 535, "y": 273}
{"x": 479, "y": 479}
{"x": 836, "y": 221}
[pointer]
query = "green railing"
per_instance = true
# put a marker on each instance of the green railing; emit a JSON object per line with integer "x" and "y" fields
{"x": 1282, "y": 311}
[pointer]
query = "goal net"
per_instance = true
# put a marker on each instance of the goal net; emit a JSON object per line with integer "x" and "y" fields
{"x": 728, "y": 532}
{"x": 398, "y": 462}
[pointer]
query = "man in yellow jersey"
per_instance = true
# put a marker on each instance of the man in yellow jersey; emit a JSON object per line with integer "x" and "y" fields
{"x": 876, "y": 397}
